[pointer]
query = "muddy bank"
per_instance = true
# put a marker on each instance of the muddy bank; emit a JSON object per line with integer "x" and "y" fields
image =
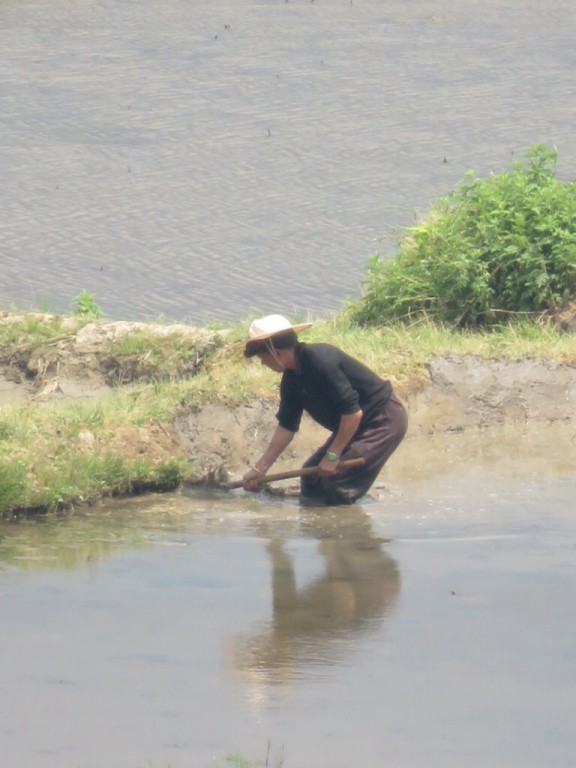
{"x": 462, "y": 394}
{"x": 88, "y": 361}
{"x": 458, "y": 394}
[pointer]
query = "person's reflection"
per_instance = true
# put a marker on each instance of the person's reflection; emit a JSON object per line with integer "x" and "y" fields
{"x": 317, "y": 623}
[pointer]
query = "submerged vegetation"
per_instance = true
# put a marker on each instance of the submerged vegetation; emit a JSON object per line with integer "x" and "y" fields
{"x": 234, "y": 760}
{"x": 482, "y": 276}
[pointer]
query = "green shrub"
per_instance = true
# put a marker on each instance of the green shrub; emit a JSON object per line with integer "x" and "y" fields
{"x": 494, "y": 248}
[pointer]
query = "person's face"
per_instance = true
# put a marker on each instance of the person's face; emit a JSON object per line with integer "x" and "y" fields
{"x": 267, "y": 358}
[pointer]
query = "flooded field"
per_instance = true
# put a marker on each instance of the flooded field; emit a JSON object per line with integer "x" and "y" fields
{"x": 213, "y": 159}
{"x": 432, "y": 625}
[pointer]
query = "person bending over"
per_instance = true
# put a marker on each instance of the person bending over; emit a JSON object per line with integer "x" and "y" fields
{"x": 360, "y": 410}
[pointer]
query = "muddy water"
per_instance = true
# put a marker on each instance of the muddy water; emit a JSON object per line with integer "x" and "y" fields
{"x": 202, "y": 160}
{"x": 432, "y": 625}
{"x": 206, "y": 159}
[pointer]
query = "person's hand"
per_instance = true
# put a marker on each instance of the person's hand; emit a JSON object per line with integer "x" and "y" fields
{"x": 251, "y": 478}
{"x": 327, "y": 468}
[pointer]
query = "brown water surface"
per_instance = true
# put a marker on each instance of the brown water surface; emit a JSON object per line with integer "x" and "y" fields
{"x": 431, "y": 626}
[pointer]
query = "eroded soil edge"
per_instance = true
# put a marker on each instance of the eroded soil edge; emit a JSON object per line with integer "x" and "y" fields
{"x": 461, "y": 394}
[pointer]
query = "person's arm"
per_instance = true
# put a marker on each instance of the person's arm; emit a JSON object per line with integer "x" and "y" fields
{"x": 347, "y": 428}
{"x": 279, "y": 441}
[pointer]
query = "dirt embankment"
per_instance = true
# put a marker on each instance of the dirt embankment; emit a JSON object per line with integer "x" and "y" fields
{"x": 461, "y": 393}
{"x": 87, "y": 362}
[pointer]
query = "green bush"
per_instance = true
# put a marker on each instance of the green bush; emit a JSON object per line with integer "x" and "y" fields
{"x": 493, "y": 248}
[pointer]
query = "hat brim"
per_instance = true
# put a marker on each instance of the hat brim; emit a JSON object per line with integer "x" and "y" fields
{"x": 256, "y": 343}
{"x": 296, "y": 328}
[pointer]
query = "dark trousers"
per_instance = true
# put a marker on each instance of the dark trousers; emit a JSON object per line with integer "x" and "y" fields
{"x": 375, "y": 442}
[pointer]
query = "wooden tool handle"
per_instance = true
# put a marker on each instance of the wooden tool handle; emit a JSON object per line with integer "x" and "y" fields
{"x": 302, "y": 472}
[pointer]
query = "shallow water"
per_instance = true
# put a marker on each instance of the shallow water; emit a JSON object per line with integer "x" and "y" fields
{"x": 431, "y": 626}
{"x": 205, "y": 160}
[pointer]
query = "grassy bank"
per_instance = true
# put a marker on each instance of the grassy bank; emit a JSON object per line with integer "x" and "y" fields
{"x": 63, "y": 452}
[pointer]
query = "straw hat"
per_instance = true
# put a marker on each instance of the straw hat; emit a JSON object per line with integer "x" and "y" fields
{"x": 264, "y": 328}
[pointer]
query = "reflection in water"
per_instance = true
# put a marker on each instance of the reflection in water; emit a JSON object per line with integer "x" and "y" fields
{"x": 69, "y": 541}
{"x": 318, "y": 622}
{"x": 121, "y": 664}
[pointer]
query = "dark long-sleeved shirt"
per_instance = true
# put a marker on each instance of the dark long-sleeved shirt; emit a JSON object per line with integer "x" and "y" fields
{"x": 328, "y": 385}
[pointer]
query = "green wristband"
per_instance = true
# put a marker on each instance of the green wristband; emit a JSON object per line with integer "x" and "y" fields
{"x": 331, "y": 456}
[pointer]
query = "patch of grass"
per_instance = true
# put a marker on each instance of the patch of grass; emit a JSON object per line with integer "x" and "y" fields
{"x": 14, "y": 483}
{"x": 169, "y": 352}
{"x": 69, "y": 478}
{"x": 76, "y": 453}
{"x": 29, "y": 330}
{"x": 150, "y": 354}
{"x": 7, "y": 431}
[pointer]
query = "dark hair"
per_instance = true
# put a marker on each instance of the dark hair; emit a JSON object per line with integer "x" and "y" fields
{"x": 284, "y": 339}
